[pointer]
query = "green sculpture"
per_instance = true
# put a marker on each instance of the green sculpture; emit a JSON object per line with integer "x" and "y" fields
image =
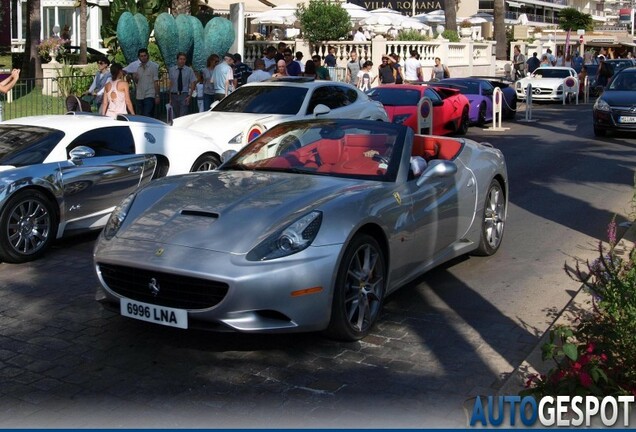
{"x": 184, "y": 32}
{"x": 132, "y": 33}
{"x": 219, "y": 36}
{"x": 199, "y": 57}
{"x": 167, "y": 38}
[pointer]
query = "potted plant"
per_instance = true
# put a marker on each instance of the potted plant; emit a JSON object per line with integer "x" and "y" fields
{"x": 50, "y": 48}
{"x": 466, "y": 28}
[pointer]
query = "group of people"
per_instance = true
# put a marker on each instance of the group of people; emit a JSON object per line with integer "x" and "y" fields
{"x": 110, "y": 89}
{"x": 360, "y": 73}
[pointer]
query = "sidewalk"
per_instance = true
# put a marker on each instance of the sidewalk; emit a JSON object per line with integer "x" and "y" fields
{"x": 581, "y": 301}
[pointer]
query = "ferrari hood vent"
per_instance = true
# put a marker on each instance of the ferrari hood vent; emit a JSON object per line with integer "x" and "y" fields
{"x": 200, "y": 213}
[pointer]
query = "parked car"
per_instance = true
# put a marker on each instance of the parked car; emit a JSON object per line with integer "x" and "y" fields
{"x": 256, "y": 107}
{"x": 308, "y": 228}
{"x": 479, "y": 92}
{"x": 61, "y": 174}
{"x": 450, "y": 107}
{"x": 547, "y": 83}
{"x": 615, "y": 109}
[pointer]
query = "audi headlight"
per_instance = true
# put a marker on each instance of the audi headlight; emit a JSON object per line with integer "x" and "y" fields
{"x": 237, "y": 139}
{"x": 601, "y": 105}
{"x": 399, "y": 119}
{"x": 292, "y": 239}
{"x": 117, "y": 217}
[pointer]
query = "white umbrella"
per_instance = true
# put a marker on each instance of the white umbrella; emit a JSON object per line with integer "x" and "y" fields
{"x": 356, "y": 13}
{"x": 385, "y": 11}
{"x": 476, "y": 20}
{"x": 284, "y": 14}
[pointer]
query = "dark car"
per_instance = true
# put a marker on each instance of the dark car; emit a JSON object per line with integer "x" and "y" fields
{"x": 615, "y": 109}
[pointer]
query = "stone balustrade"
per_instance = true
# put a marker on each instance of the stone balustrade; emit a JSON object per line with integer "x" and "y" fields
{"x": 465, "y": 58}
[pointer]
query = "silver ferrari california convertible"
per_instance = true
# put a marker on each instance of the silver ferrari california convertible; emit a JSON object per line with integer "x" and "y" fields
{"x": 308, "y": 228}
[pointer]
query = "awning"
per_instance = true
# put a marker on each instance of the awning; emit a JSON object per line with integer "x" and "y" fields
{"x": 221, "y": 6}
{"x": 629, "y": 44}
{"x": 513, "y": 4}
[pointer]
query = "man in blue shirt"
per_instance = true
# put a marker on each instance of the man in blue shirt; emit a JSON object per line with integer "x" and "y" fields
{"x": 293, "y": 68}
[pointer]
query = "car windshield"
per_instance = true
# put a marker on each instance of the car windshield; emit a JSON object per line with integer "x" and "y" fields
{"x": 547, "y": 72}
{"x": 619, "y": 65}
{"x": 285, "y": 100}
{"x": 395, "y": 97}
{"x": 22, "y": 145}
{"x": 624, "y": 81}
{"x": 339, "y": 148}
{"x": 464, "y": 87}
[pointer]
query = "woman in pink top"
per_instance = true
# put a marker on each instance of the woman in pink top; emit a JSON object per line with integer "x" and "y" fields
{"x": 116, "y": 94}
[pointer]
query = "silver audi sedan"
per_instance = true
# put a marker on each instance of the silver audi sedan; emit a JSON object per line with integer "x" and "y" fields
{"x": 308, "y": 228}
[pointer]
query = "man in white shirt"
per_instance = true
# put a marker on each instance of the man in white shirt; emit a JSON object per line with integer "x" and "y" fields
{"x": 258, "y": 74}
{"x": 359, "y": 36}
{"x": 223, "y": 77}
{"x": 412, "y": 68}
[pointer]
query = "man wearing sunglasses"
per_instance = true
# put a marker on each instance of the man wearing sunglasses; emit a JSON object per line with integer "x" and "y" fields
{"x": 95, "y": 93}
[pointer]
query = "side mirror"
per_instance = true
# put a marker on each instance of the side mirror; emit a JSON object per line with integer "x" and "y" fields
{"x": 227, "y": 155}
{"x": 437, "y": 168}
{"x": 81, "y": 152}
{"x": 321, "y": 110}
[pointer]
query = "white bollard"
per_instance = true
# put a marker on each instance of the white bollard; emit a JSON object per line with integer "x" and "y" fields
{"x": 528, "y": 117}
{"x": 570, "y": 86}
{"x": 586, "y": 90}
{"x": 497, "y": 105}
{"x": 1, "y": 108}
{"x": 425, "y": 116}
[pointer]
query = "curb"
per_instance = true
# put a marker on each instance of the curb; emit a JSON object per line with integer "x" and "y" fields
{"x": 515, "y": 382}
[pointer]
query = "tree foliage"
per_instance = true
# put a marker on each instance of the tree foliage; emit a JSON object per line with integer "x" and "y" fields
{"x": 321, "y": 20}
{"x": 571, "y": 19}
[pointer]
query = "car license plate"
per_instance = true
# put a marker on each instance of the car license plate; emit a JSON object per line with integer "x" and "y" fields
{"x": 154, "y": 314}
{"x": 627, "y": 119}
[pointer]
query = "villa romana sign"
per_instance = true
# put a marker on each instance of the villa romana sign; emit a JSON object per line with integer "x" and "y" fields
{"x": 403, "y": 6}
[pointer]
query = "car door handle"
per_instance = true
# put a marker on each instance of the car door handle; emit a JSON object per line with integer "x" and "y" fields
{"x": 134, "y": 169}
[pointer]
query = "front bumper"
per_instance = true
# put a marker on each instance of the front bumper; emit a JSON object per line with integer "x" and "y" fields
{"x": 258, "y": 297}
{"x": 614, "y": 120}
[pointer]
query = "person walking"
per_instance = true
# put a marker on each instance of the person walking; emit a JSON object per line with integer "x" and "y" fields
{"x": 146, "y": 78}
{"x": 223, "y": 77}
{"x": 96, "y": 90}
{"x": 354, "y": 65}
{"x": 293, "y": 68}
{"x": 322, "y": 73}
{"x": 182, "y": 85}
{"x": 413, "y": 68}
{"x": 299, "y": 60}
{"x": 208, "y": 81}
{"x": 116, "y": 94}
{"x": 281, "y": 69}
{"x": 439, "y": 71}
{"x": 519, "y": 63}
{"x": 9, "y": 82}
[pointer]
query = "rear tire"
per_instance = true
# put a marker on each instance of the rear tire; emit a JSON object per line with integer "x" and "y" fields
{"x": 462, "y": 129}
{"x": 28, "y": 225}
{"x": 493, "y": 220}
{"x": 206, "y": 162}
{"x": 359, "y": 292}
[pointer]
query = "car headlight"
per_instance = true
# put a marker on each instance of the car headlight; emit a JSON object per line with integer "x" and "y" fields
{"x": 399, "y": 119}
{"x": 117, "y": 217}
{"x": 601, "y": 105}
{"x": 237, "y": 139}
{"x": 296, "y": 237}
{"x": 560, "y": 88}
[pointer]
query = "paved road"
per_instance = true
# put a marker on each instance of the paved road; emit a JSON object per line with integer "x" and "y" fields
{"x": 455, "y": 333}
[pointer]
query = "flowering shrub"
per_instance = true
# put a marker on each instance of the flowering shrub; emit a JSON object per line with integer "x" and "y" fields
{"x": 50, "y": 45}
{"x": 596, "y": 356}
{"x": 465, "y": 24}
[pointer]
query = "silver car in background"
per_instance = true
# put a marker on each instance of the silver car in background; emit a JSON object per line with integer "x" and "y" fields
{"x": 308, "y": 228}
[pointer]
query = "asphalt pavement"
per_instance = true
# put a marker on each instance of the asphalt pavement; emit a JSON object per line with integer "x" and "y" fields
{"x": 441, "y": 340}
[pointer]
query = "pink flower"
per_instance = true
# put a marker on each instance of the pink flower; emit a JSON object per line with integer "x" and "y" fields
{"x": 590, "y": 347}
{"x": 586, "y": 379}
{"x": 577, "y": 366}
{"x": 604, "y": 357}
{"x": 611, "y": 232}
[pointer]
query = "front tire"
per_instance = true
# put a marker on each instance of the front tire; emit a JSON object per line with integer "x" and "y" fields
{"x": 359, "y": 292}
{"x": 27, "y": 227}
{"x": 493, "y": 220}
{"x": 481, "y": 116}
{"x": 206, "y": 162}
{"x": 599, "y": 132}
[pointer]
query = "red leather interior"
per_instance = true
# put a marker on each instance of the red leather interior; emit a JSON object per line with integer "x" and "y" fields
{"x": 430, "y": 147}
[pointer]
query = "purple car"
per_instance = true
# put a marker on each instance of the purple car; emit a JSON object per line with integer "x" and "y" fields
{"x": 479, "y": 92}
